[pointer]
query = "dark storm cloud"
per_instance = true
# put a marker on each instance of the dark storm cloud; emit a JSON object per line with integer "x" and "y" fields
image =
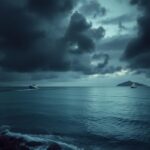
{"x": 18, "y": 30}
{"x": 100, "y": 56}
{"x": 97, "y": 33}
{"x": 138, "y": 51}
{"x": 103, "y": 66}
{"x": 115, "y": 43}
{"x": 80, "y": 36}
{"x": 98, "y": 64}
{"x": 76, "y": 34}
{"x": 57, "y": 43}
{"x": 24, "y": 44}
{"x": 80, "y": 39}
{"x": 50, "y": 8}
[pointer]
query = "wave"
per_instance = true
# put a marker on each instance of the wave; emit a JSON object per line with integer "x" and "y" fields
{"x": 32, "y": 142}
{"x": 20, "y": 141}
{"x": 26, "y": 89}
{"x": 129, "y": 121}
{"x": 132, "y": 97}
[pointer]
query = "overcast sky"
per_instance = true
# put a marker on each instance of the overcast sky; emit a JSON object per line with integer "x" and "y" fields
{"x": 74, "y": 42}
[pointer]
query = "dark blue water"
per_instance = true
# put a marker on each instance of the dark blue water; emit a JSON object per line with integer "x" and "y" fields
{"x": 91, "y": 118}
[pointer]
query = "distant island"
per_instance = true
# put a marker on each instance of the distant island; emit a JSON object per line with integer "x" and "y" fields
{"x": 129, "y": 83}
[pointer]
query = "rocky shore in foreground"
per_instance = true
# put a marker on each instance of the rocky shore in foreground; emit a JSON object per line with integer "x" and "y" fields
{"x": 12, "y": 143}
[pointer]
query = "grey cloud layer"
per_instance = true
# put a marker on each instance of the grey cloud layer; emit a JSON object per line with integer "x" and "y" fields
{"x": 125, "y": 18}
{"x": 57, "y": 36}
{"x": 117, "y": 43}
{"x": 35, "y": 36}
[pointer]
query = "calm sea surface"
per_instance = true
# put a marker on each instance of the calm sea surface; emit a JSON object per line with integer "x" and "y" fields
{"x": 88, "y": 118}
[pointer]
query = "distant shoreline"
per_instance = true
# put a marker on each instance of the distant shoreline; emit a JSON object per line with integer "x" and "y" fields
{"x": 129, "y": 83}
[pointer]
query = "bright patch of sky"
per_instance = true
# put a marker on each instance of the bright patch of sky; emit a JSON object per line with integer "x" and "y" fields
{"x": 117, "y": 8}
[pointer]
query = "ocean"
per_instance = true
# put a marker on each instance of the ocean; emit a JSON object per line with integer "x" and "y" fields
{"x": 77, "y": 118}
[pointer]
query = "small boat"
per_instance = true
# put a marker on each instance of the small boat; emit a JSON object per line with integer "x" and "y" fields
{"x": 133, "y": 85}
{"x": 33, "y": 86}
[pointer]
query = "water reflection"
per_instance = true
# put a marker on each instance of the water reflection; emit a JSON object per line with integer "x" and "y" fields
{"x": 117, "y": 112}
